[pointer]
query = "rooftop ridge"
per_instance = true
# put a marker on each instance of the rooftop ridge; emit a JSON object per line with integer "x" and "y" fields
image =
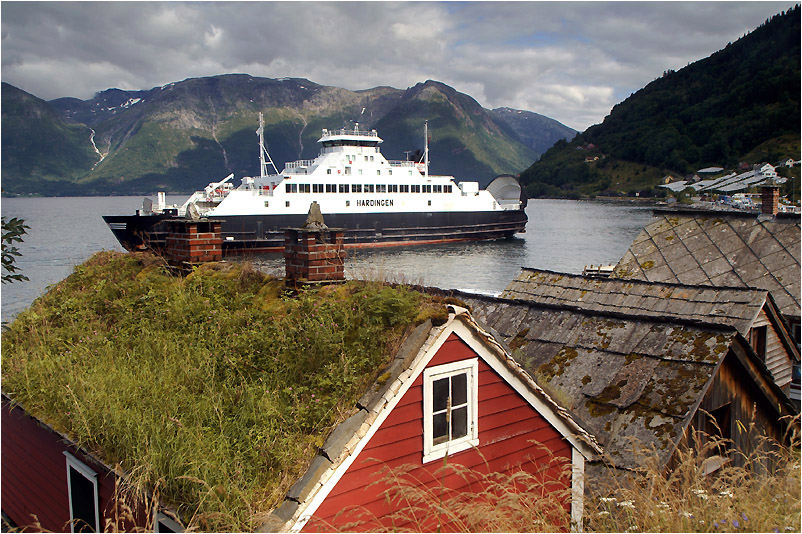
{"x": 647, "y": 282}
{"x": 717, "y": 327}
{"x": 728, "y": 213}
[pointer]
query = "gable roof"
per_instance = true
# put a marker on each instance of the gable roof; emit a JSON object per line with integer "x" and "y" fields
{"x": 725, "y": 249}
{"x": 736, "y": 307}
{"x": 626, "y": 378}
{"x": 348, "y": 439}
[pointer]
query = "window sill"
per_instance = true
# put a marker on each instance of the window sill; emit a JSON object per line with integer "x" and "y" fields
{"x": 450, "y": 450}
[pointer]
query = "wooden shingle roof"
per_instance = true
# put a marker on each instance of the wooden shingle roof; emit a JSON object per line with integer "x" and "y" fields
{"x": 736, "y": 307}
{"x": 725, "y": 249}
{"x": 627, "y": 378}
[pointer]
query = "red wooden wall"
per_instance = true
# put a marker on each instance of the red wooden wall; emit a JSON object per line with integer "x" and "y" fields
{"x": 509, "y": 433}
{"x": 34, "y": 474}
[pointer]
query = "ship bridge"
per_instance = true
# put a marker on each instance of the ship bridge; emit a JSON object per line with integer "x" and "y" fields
{"x": 344, "y": 137}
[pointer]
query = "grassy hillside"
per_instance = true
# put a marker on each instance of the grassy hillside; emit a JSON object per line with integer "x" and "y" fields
{"x": 716, "y": 111}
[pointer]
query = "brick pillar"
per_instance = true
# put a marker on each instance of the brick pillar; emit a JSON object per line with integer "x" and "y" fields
{"x": 770, "y": 196}
{"x": 193, "y": 241}
{"x": 314, "y": 255}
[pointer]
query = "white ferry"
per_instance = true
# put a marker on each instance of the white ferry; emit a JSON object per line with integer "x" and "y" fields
{"x": 378, "y": 202}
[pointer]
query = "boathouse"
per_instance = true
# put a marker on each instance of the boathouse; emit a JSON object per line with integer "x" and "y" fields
{"x": 752, "y": 312}
{"x": 641, "y": 381}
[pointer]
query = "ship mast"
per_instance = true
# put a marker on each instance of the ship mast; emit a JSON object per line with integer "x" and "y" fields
{"x": 264, "y": 157}
{"x": 426, "y": 147}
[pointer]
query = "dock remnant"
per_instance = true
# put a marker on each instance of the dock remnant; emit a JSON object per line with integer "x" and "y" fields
{"x": 315, "y": 252}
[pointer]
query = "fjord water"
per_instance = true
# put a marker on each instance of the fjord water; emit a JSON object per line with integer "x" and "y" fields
{"x": 561, "y": 235}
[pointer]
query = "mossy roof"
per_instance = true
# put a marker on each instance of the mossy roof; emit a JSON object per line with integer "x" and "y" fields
{"x": 218, "y": 386}
{"x": 627, "y": 379}
{"x": 720, "y": 249}
{"x": 734, "y": 306}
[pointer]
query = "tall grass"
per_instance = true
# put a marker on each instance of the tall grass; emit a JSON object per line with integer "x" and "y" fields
{"x": 216, "y": 388}
{"x": 761, "y": 494}
{"x": 454, "y": 498}
{"x": 758, "y": 493}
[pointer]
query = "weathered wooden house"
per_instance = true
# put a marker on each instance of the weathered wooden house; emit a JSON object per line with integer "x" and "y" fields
{"x": 752, "y": 312}
{"x": 451, "y": 394}
{"x": 641, "y": 381}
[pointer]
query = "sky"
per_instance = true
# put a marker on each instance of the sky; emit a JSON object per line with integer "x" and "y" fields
{"x": 571, "y": 61}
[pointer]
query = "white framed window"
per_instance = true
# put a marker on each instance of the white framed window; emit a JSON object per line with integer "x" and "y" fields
{"x": 83, "y": 496}
{"x": 450, "y": 415}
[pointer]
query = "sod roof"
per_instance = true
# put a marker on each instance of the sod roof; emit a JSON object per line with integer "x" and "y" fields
{"x": 220, "y": 385}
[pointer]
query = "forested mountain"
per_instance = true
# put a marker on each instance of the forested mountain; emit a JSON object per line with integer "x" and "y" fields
{"x": 183, "y": 135}
{"x": 38, "y": 144}
{"x": 713, "y": 112}
{"x": 537, "y": 131}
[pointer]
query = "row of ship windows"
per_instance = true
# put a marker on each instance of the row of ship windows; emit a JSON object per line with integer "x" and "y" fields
{"x": 348, "y": 203}
{"x": 359, "y": 171}
{"x": 366, "y": 188}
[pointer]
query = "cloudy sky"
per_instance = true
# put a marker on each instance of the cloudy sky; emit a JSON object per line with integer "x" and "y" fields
{"x": 571, "y": 61}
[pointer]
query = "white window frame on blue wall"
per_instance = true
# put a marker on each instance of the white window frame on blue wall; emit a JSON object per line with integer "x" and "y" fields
{"x": 91, "y": 476}
{"x": 470, "y": 368}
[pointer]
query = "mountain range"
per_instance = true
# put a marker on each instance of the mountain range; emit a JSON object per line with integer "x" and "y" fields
{"x": 180, "y": 136}
{"x": 739, "y": 106}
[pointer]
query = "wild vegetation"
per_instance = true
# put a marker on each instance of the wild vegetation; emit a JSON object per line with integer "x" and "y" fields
{"x": 216, "y": 388}
{"x": 757, "y": 491}
{"x": 213, "y": 391}
{"x": 716, "y": 111}
{"x": 13, "y": 230}
{"x": 759, "y": 494}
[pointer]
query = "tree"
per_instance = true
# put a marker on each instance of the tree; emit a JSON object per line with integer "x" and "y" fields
{"x": 13, "y": 230}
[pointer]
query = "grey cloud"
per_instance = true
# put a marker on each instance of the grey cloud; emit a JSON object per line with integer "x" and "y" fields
{"x": 571, "y": 61}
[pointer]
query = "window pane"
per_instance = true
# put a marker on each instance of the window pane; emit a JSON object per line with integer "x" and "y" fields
{"x": 459, "y": 422}
{"x": 440, "y": 394}
{"x": 459, "y": 389}
{"x": 439, "y": 428}
{"x": 83, "y": 502}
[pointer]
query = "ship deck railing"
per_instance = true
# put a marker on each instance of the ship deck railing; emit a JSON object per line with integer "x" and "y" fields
{"x": 343, "y": 131}
{"x": 296, "y": 164}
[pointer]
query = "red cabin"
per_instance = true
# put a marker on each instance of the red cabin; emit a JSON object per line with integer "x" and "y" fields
{"x": 453, "y": 409}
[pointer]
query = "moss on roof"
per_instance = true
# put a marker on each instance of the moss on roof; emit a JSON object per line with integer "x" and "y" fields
{"x": 217, "y": 386}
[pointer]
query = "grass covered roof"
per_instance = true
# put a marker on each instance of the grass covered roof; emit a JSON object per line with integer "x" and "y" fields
{"x": 217, "y": 386}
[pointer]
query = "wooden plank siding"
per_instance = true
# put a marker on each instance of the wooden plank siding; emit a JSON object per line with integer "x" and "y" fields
{"x": 512, "y": 434}
{"x": 34, "y": 476}
{"x": 731, "y": 393}
{"x": 34, "y": 480}
{"x": 776, "y": 357}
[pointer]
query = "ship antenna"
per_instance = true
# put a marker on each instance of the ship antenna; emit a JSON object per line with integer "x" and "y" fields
{"x": 264, "y": 157}
{"x": 426, "y": 147}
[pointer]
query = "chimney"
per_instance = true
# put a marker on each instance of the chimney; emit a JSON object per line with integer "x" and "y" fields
{"x": 314, "y": 253}
{"x": 770, "y": 194}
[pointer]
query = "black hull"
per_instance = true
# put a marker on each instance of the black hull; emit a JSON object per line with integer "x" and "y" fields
{"x": 250, "y": 234}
